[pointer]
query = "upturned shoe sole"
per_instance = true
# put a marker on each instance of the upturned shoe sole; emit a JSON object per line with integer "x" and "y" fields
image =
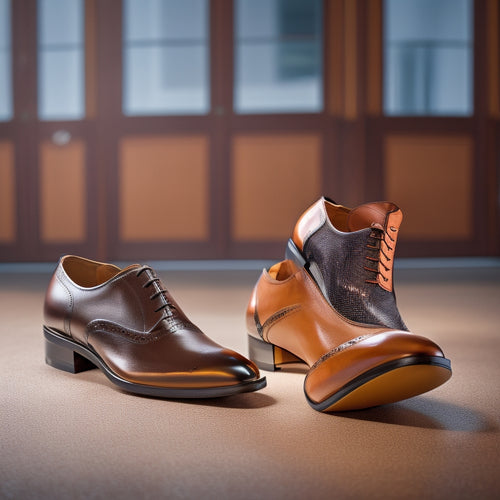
{"x": 387, "y": 383}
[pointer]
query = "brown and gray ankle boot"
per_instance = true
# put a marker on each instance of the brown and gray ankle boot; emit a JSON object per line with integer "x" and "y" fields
{"x": 350, "y": 255}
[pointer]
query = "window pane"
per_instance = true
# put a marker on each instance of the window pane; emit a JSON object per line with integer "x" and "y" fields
{"x": 61, "y": 82}
{"x": 161, "y": 20}
{"x": 166, "y": 57}
{"x": 5, "y": 62}
{"x": 60, "y": 22}
{"x": 278, "y": 56}
{"x": 61, "y": 90}
{"x": 428, "y": 57}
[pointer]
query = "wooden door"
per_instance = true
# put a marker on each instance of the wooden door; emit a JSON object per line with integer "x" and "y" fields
{"x": 203, "y": 128}
{"x": 228, "y": 179}
{"x": 47, "y": 141}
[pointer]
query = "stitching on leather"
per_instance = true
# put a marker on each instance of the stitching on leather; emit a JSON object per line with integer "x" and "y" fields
{"x": 133, "y": 335}
{"x": 60, "y": 275}
{"x": 339, "y": 348}
{"x": 278, "y": 316}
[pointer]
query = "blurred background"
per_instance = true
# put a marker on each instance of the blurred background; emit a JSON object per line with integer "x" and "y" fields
{"x": 201, "y": 129}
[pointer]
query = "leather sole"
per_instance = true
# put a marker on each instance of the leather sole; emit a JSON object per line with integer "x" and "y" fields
{"x": 64, "y": 354}
{"x": 387, "y": 383}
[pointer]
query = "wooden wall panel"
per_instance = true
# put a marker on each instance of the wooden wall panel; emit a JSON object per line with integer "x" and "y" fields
{"x": 351, "y": 60}
{"x": 7, "y": 193}
{"x": 274, "y": 179}
{"x": 63, "y": 192}
{"x": 164, "y": 188}
{"x": 374, "y": 57}
{"x": 90, "y": 58}
{"x": 334, "y": 60}
{"x": 430, "y": 178}
{"x": 493, "y": 56}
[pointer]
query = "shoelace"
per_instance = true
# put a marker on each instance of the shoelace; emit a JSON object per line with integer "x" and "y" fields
{"x": 379, "y": 234}
{"x": 167, "y": 304}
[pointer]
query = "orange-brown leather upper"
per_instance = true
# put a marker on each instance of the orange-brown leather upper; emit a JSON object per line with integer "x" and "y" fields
{"x": 295, "y": 316}
{"x": 136, "y": 327}
{"x": 287, "y": 309}
{"x": 309, "y": 222}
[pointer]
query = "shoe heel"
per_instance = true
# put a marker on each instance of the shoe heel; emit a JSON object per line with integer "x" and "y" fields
{"x": 64, "y": 358}
{"x": 268, "y": 356}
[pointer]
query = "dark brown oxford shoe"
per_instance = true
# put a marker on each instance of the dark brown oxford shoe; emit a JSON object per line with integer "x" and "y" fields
{"x": 127, "y": 324}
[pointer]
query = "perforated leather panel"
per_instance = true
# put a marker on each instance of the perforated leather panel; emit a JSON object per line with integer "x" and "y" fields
{"x": 341, "y": 259}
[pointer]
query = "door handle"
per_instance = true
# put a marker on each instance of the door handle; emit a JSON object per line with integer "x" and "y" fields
{"x": 61, "y": 137}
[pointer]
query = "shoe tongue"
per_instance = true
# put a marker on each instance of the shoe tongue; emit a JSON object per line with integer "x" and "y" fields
{"x": 376, "y": 214}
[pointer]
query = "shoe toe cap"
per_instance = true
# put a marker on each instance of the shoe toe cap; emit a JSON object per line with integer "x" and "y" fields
{"x": 232, "y": 368}
{"x": 335, "y": 370}
{"x": 222, "y": 369}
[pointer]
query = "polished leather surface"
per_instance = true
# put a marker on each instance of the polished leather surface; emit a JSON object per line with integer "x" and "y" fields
{"x": 288, "y": 310}
{"x": 310, "y": 221}
{"x": 135, "y": 326}
{"x": 306, "y": 325}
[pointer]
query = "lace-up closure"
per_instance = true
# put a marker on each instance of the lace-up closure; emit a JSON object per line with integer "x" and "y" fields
{"x": 167, "y": 305}
{"x": 383, "y": 247}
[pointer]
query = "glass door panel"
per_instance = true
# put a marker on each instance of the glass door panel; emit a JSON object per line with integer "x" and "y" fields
{"x": 6, "y": 110}
{"x": 428, "y": 57}
{"x": 278, "y": 56}
{"x": 61, "y": 65}
{"x": 166, "y": 57}
{"x": 63, "y": 162}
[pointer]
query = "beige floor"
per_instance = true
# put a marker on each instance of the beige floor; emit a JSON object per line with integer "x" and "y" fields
{"x": 77, "y": 436}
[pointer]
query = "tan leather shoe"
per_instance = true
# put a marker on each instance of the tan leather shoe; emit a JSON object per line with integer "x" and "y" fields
{"x": 352, "y": 365}
{"x": 127, "y": 324}
{"x": 332, "y": 305}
